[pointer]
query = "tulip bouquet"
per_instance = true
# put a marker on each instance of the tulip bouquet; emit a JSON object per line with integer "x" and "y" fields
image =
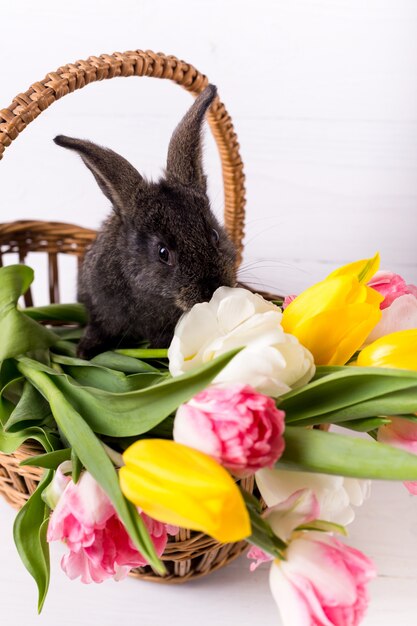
{"x": 140, "y": 442}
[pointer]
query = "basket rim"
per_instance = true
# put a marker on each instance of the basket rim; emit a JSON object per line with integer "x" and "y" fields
{"x": 26, "y": 106}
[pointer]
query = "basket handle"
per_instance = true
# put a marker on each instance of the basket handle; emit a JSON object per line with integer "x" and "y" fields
{"x": 27, "y": 106}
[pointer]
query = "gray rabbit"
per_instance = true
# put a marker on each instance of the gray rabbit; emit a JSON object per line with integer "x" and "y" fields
{"x": 160, "y": 251}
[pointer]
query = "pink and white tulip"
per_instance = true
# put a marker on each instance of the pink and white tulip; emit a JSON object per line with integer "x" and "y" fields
{"x": 399, "y": 307}
{"x": 99, "y": 546}
{"x": 240, "y": 428}
{"x": 401, "y": 433}
{"x": 336, "y": 495}
{"x": 300, "y": 508}
{"x": 322, "y": 582}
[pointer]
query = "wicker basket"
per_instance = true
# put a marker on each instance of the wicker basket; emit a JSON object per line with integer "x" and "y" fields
{"x": 189, "y": 554}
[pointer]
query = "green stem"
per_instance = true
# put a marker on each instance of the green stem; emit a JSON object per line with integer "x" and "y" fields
{"x": 144, "y": 353}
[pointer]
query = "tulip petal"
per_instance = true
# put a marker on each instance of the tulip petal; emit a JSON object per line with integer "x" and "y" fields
{"x": 236, "y": 317}
{"x": 262, "y": 368}
{"x": 187, "y": 343}
{"x": 319, "y": 560}
{"x": 322, "y": 582}
{"x": 300, "y": 508}
{"x": 294, "y": 608}
{"x": 259, "y": 331}
{"x": 363, "y": 269}
{"x": 320, "y": 297}
{"x": 178, "y": 485}
{"x": 400, "y": 315}
{"x": 398, "y": 350}
{"x": 333, "y": 318}
{"x": 334, "y": 336}
{"x": 335, "y": 494}
{"x": 276, "y": 485}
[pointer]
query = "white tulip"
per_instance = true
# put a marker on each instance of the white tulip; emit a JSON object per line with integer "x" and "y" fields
{"x": 335, "y": 494}
{"x": 272, "y": 361}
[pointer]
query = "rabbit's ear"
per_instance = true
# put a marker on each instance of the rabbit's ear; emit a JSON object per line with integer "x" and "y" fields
{"x": 184, "y": 162}
{"x": 116, "y": 177}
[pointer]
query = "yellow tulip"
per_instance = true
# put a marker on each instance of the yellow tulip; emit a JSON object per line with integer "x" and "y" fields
{"x": 178, "y": 485}
{"x": 395, "y": 350}
{"x": 333, "y": 318}
{"x": 362, "y": 270}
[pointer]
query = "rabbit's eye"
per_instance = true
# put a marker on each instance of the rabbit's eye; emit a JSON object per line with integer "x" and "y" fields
{"x": 164, "y": 255}
{"x": 215, "y": 236}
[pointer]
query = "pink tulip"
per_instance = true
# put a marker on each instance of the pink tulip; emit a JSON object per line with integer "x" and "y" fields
{"x": 258, "y": 556}
{"x": 99, "y": 546}
{"x": 321, "y": 583}
{"x": 287, "y": 301}
{"x": 391, "y": 286}
{"x": 237, "y": 426}
{"x": 401, "y": 433}
{"x": 399, "y": 307}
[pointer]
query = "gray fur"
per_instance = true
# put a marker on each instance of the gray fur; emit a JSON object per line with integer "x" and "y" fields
{"x": 129, "y": 293}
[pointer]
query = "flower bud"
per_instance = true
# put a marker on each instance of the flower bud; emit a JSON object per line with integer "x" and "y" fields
{"x": 178, "y": 485}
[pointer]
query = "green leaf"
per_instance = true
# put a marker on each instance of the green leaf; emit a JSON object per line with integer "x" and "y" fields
{"x": 13, "y": 390}
{"x": 347, "y": 393}
{"x": 92, "y": 455}
{"x": 73, "y": 312}
{"x": 65, "y": 347}
{"x": 122, "y": 363}
{"x": 365, "y": 425}
{"x": 49, "y": 460}
{"x": 10, "y": 442}
{"x": 19, "y": 334}
{"x": 400, "y": 403}
{"x": 8, "y": 372}
{"x": 115, "y": 382}
{"x": 32, "y": 407}
{"x": 331, "y": 453}
{"x": 134, "y": 412}
{"x": 88, "y": 374}
{"x": 69, "y": 333}
{"x": 6, "y": 408}
{"x": 29, "y": 533}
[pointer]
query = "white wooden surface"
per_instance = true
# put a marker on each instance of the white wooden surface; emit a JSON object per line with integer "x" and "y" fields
{"x": 323, "y": 94}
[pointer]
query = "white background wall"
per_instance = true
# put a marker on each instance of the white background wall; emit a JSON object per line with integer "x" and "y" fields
{"x": 323, "y": 94}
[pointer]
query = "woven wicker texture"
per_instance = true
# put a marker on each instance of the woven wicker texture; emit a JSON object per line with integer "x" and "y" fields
{"x": 189, "y": 554}
{"x": 51, "y": 238}
{"x": 28, "y": 105}
{"x": 17, "y": 483}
